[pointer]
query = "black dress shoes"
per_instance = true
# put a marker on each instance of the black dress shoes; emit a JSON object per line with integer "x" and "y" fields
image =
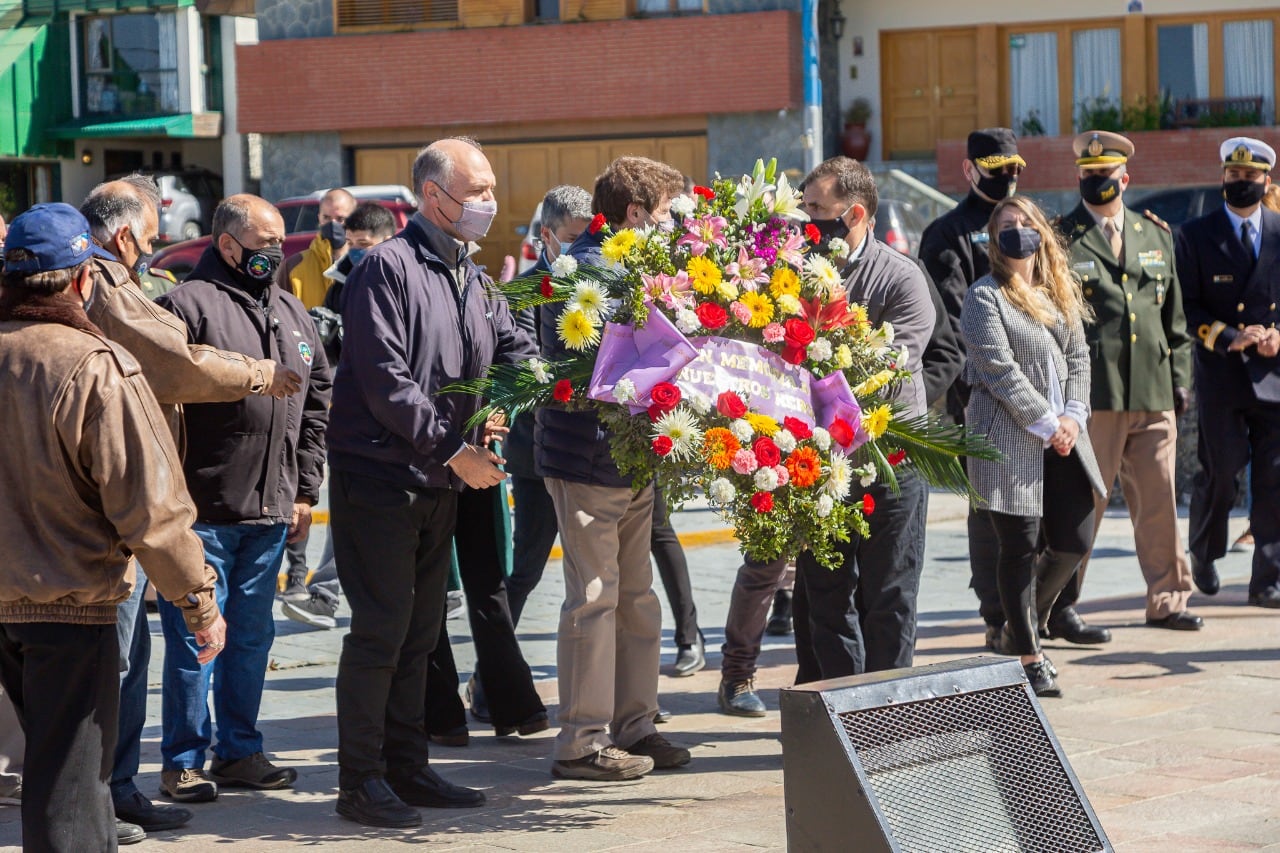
{"x": 1041, "y": 679}
{"x": 136, "y": 809}
{"x": 691, "y": 658}
{"x": 1183, "y": 620}
{"x": 374, "y": 804}
{"x": 1269, "y": 598}
{"x": 424, "y": 787}
{"x": 1205, "y": 575}
{"x": 1067, "y": 625}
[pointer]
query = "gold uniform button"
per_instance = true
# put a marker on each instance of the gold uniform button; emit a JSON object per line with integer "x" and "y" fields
{"x": 1273, "y": 306}
{"x": 1133, "y": 338}
{"x": 1129, "y": 296}
{"x": 1124, "y": 277}
{"x": 1240, "y": 307}
{"x": 1133, "y": 318}
{"x": 1240, "y": 327}
{"x": 1088, "y": 291}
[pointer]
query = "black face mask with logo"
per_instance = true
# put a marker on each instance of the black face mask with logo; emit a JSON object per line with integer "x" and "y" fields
{"x": 1243, "y": 194}
{"x": 257, "y": 267}
{"x": 1099, "y": 189}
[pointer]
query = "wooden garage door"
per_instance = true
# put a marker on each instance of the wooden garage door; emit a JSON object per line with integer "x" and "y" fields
{"x": 526, "y": 170}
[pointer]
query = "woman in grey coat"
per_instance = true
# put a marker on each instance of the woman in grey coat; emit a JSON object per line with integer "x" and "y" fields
{"x": 1028, "y": 365}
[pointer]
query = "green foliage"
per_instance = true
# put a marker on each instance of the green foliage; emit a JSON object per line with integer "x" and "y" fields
{"x": 1031, "y": 125}
{"x": 1113, "y": 114}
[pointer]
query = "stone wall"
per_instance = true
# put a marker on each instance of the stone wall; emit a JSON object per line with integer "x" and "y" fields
{"x": 294, "y": 19}
{"x": 736, "y": 140}
{"x": 299, "y": 163}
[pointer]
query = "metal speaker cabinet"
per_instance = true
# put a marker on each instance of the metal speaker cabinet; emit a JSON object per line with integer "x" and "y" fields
{"x": 949, "y": 758}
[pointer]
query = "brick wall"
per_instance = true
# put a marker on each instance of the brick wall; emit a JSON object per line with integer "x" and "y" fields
{"x": 1161, "y": 157}
{"x": 611, "y": 69}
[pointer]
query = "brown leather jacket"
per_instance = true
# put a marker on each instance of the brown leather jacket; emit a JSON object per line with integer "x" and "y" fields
{"x": 89, "y": 476}
{"x": 178, "y": 372}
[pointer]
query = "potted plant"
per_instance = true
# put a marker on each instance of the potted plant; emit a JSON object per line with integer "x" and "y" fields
{"x": 855, "y": 141}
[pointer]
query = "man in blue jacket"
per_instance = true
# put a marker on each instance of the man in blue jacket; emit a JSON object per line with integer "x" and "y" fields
{"x": 418, "y": 315}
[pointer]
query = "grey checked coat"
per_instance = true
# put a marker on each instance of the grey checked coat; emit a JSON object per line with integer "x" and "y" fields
{"x": 1008, "y": 354}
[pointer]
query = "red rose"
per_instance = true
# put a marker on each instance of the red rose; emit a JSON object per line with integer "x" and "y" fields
{"x": 798, "y": 428}
{"x": 797, "y": 333}
{"x": 792, "y": 355}
{"x": 546, "y": 286}
{"x": 705, "y": 192}
{"x": 597, "y": 222}
{"x": 656, "y": 412}
{"x": 662, "y": 445}
{"x": 811, "y": 231}
{"x": 711, "y": 315}
{"x": 896, "y": 457}
{"x": 665, "y": 396}
{"x": 762, "y": 501}
{"x": 841, "y": 432}
{"x": 730, "y": 405}
{"x": 868, "y": 504}
{"x": 767, "y": 453}
{"x": 563, "y": 391}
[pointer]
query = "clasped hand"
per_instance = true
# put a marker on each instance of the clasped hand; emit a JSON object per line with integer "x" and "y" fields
{"x": 1064, "y": 438}
{"x": 1266, "y": 341}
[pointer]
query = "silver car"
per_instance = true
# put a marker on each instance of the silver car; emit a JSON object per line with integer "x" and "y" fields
{"x": 187, "y": 200}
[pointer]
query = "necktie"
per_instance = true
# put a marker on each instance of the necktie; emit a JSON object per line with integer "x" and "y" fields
{"x": 1113, "y": 237}
{"x": 1247, "y": 238}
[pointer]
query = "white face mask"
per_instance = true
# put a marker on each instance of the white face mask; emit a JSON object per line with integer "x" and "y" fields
{"x": 476, "y": 218}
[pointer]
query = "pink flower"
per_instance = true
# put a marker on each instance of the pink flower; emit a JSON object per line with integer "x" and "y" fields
{"x": 744, "y": 461}
{"x": 746, "y": 272}
{"x": 672, "y": 291}
{"x": 774, "y": 333}
{"x": 702, "y": 234}
{"x": 741, "y": 313}
{"x": 784, "y": 476}
{"x": 792, "y": 248}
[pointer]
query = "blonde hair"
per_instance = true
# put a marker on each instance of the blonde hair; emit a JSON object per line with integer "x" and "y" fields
{"x": 1054, "y": 292}
{"x": 1272, "y": 198}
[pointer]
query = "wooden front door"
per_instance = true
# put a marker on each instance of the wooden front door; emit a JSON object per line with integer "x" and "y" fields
{"x": 930, "y": 89}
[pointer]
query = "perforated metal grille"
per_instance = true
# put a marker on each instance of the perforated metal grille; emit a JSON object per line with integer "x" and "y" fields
{"x": 971, "y": 773}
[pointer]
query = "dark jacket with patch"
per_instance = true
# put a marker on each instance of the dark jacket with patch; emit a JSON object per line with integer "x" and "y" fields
{"x": 251, "y": 460}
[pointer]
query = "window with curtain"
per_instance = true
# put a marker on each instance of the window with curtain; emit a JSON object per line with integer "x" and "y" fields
{"x": 131, "y": 64}
{"x": 1033, "y": 80}
{"x": 1248, "y": 60}
{"x": 1095, "y": 57}
{"x": 667, "y": 7}
{"x": 1183, "y": 60}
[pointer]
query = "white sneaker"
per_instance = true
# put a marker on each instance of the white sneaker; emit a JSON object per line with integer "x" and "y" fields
{"x": 316, "y": 611}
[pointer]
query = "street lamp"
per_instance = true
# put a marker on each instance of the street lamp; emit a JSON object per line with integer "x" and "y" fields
{"x": 836, "y": 21}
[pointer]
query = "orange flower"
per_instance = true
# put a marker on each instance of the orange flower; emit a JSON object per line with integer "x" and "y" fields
{"x": 804, "y": 466}
{"x": 718, "y": 446}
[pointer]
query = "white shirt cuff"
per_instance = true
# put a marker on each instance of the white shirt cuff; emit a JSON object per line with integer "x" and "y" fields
{"x": 1045, "y": 427}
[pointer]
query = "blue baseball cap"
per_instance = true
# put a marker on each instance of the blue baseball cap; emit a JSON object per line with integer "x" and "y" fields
{"x": 56, "y": 236}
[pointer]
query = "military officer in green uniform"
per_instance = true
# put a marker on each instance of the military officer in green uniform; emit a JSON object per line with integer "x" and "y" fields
{"x": 156, "y": 282}
{"x": 1141, "y": 356}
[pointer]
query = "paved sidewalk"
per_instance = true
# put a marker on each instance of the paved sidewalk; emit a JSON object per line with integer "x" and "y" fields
{"x": 1176, "y": 737}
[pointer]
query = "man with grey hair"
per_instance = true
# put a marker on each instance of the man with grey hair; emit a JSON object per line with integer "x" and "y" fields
{"x": 418, "y": 316}
{"x": 124, "y": 219}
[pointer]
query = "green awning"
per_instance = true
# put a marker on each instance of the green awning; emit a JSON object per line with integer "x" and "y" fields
{"x": 184, "y": 126}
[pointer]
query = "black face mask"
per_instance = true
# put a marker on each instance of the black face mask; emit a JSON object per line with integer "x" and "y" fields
{"x": 830, "y": 229}
{"x": 335, "y": 232}
{"x": 1099, "y": 189}
{"x": 143, "y": 263}
{"x": 997, "y": 186}
{"x": 257, "y": 267}
{"x": 1018, "y": 243}
{"x": 1243, "y": 193}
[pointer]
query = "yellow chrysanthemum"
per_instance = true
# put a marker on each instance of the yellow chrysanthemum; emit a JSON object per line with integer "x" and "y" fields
{"x": 619, "y": 245}
{"x": 727, "y": 290}
{"x": 784, "y": 282}
{"x": 762, "y": 424}
{"x": 789, "y": 304}
{"x": 576, "y": 330}
{"x": 704, "y": 274}
{"x": 859, "y": 313}
{"x": 876, "y": 421}
{"x": 872, "y": 384}
{"x": 761, "y": 308}
{"x": 844, "y": 357}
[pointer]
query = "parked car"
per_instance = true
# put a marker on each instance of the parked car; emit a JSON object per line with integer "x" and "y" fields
{"x": 899, "y": 225}
{"x": 181, "y": 258}
{"x": 530, "y": 244}
{"x": 301, "y": 213}
{"x": 187, "y": 200}
{"x": 1177, "y": 205}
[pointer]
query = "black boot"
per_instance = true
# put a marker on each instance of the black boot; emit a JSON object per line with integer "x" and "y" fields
{"x": 780, "y": 619}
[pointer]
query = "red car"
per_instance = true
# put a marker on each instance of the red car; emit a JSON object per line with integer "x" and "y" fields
{"x": 180, "y": 258}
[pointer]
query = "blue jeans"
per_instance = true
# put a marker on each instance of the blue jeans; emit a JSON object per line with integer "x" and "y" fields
{"x": 246, "y": 558}
{"x": 134, "y": 637}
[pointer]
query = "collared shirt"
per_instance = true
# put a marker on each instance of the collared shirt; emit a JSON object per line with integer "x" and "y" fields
{"x": 1255, "y": 225}
{"x": 1117, "y": 221}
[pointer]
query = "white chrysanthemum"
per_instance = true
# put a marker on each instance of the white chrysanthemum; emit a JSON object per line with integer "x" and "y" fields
{"x": 785, "y": 440}
{"x": 866, "y": 475}
{"x": 844, "y": 357}
{"x": 698, "y": 401}
{"x": 823, "y": 273}
{"x": 902, "y": 356}
{"x": 788, "y": 304}
{"x": 589, "y": 297}
{"x": 727, "y": 290}
{"x": 681, "y": 426}
{"x": 885, "y": 333}
{"x": 687, "y": 321}
{"x": 624, "y": 390}
{"x": 839, "y": 477}
{"x": 823, "y": 505}
{"x": 539, "y": 369}
{"x": 820, "y": 349}
{"x": 682, "y": 206}
{"x": 741, "y": 429}
{"x": 721, "y": 491}
{"x": 765, "y": 479}
{"x": 563, "y": 266}
{"x": 837, "y": 247}
{"x": 822, "y": 439}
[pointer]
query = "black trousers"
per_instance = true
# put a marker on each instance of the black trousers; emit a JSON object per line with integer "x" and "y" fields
{"x": 1231, "y": 435}
{"x": 65, "y": 684}
{"x": 862, "y": 615}
{"x": 508, "y": 683}
{"x": 1039, "y": 554}
{"x": 533, "y": 532}
{"x": 673, "y": 568}
{"x": 392, "y": 547}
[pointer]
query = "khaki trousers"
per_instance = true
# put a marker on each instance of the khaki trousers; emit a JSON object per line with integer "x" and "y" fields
{"x": 1140, "y": 447}
{"x": 610, "y": 632}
